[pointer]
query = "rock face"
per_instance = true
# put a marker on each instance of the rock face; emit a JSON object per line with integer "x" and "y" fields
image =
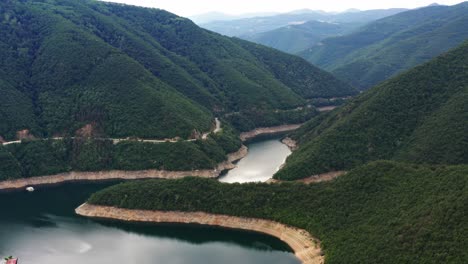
{"x": 316, "y": 178}
{"x": 323, "y": 177}
{"x": 268, "y": 131}
{"x": 291, "y": 143}
{"x": 306, "y": 248}
{"x": 125, "y": 175}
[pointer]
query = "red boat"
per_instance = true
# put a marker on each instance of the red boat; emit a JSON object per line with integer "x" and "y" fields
{"x": 12, "y": 261}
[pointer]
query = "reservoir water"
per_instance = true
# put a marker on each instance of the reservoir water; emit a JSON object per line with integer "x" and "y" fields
{"x": 41, "y": 227}
{"x": 264, "y": 159}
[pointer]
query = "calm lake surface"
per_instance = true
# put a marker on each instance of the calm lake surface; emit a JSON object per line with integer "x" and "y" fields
{"x": 41, "y": 227}
{"x": 264, "y": 159}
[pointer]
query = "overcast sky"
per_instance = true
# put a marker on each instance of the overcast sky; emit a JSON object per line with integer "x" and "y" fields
{"x": 195, "y": 7}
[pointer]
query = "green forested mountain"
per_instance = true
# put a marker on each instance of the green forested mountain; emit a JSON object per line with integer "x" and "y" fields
{"x": 391, "y": 45}
{"x": 420, "y": 116}
{"x": 48, "y": 157}
{"x": 382, "y": 212}
{"x": 297, "y": 38}
{"x": 130, "y": 71}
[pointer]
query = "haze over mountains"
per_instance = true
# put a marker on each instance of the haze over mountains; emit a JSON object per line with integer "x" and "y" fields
{"x": 362, "y": 48}
{"x": 251, "y": 26}
{"x": 391, "y": 45}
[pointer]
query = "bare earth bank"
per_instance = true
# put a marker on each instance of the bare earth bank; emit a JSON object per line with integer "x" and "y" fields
{"x": 306, "y": 248}
{"x": 268, "y": 131}
{"x": 20, "y": 184}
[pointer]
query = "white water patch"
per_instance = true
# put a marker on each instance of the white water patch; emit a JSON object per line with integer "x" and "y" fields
{"x": 261, "y": 163}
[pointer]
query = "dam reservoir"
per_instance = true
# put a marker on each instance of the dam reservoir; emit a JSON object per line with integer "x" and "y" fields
{"x": 41, "y": 227}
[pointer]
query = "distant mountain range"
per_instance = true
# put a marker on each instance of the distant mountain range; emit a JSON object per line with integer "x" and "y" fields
{"x": 219, "y": 16}
{"x": 419, "y": 117}
{"x": 391, "y": 45}
{"x": 297, "y": 38}
{"x": 250, "y": 26}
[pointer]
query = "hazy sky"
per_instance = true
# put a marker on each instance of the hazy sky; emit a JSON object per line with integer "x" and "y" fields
{"x": 195, "y": 7}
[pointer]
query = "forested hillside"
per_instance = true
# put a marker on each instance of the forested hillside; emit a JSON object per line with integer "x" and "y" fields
{"x": 114, "y": 70}
{"x": 49, "y": 157}
{"x": 391, "y": 45}
{"x": 383, "y": 212}
{"x": 420, "y": 116}
{"x": 297, "y": 38}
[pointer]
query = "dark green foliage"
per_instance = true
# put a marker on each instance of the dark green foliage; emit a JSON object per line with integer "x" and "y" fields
{"x": 9, "y": 165}
{"x": 38, "y": 158}
{"x": 91, "y": 155}
{"x": 249, "y": 120}
{"x": 391, "y": 45}
{"x": 419, "y": 116}
{"x": 48, "y": 157}
{"x": 168, "y": 156}
{"x": 297, "y": 38}
{"x": 228, "y": 139}
{"x": 296, "y": 73}
{"x": 127, "y": 71}
{"x": 383, "y": 212}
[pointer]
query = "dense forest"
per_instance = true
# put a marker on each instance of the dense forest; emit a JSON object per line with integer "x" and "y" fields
{"x": 382, "y": 212}
{"x": 48, "y": 157}
{"x": 391, "y": 45}
{"x": 297, "y": 38}
{"x": 126, "y": 71}
{"x": 419, "y": 116}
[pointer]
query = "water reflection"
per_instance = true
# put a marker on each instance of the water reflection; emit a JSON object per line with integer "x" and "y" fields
{"x": 41, "y": 227}
{"x": 264, "y": 160}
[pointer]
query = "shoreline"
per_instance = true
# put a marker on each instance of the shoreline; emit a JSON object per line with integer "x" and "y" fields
{"x": 306, "y": 248}
{"x": 21, "y": 184}
{"x": 291, "y": 143}
{"x": 261, "y": 131}
{"x": 323, "y": 177}
{"x": 77, "y": 176}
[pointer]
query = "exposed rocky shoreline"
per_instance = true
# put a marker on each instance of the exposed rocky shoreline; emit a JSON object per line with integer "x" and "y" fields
{"x": 268, "y": 131}
{"x": 21, "y": 184}
{"x": 306, "y": 248}
{"x": 291, "y": 143}
{"x": 316, "y": 178}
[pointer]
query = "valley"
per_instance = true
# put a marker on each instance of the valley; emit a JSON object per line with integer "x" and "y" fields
{"x": 131, "y": 134}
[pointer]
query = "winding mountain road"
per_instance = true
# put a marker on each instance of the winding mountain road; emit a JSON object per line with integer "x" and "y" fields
{"x": 217, "y": 129}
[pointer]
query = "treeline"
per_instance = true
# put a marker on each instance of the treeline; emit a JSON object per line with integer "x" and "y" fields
{"x": 48, "y": 157}
{"x": 249, "y": 120}
{"x": 383, "y": 212}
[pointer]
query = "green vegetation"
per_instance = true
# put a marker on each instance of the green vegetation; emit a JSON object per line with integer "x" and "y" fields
{"x": 383, "y": 212}
{"x": 391, "y": 45}
{"x": 297, "y": 38}
{"x": 125, "y": 71}
{"x": 48, "y": 157}
{"x": 246, "y": 121}
{"x": 419, "y": 116}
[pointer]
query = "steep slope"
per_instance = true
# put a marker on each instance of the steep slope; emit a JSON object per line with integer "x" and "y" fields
{"x": 419, "y": 116}
{"x": 297, "y": 38}
{"x": 126, "y": 71}
{"x": 391, "y": 45}
{"x": 383, "y": 212}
